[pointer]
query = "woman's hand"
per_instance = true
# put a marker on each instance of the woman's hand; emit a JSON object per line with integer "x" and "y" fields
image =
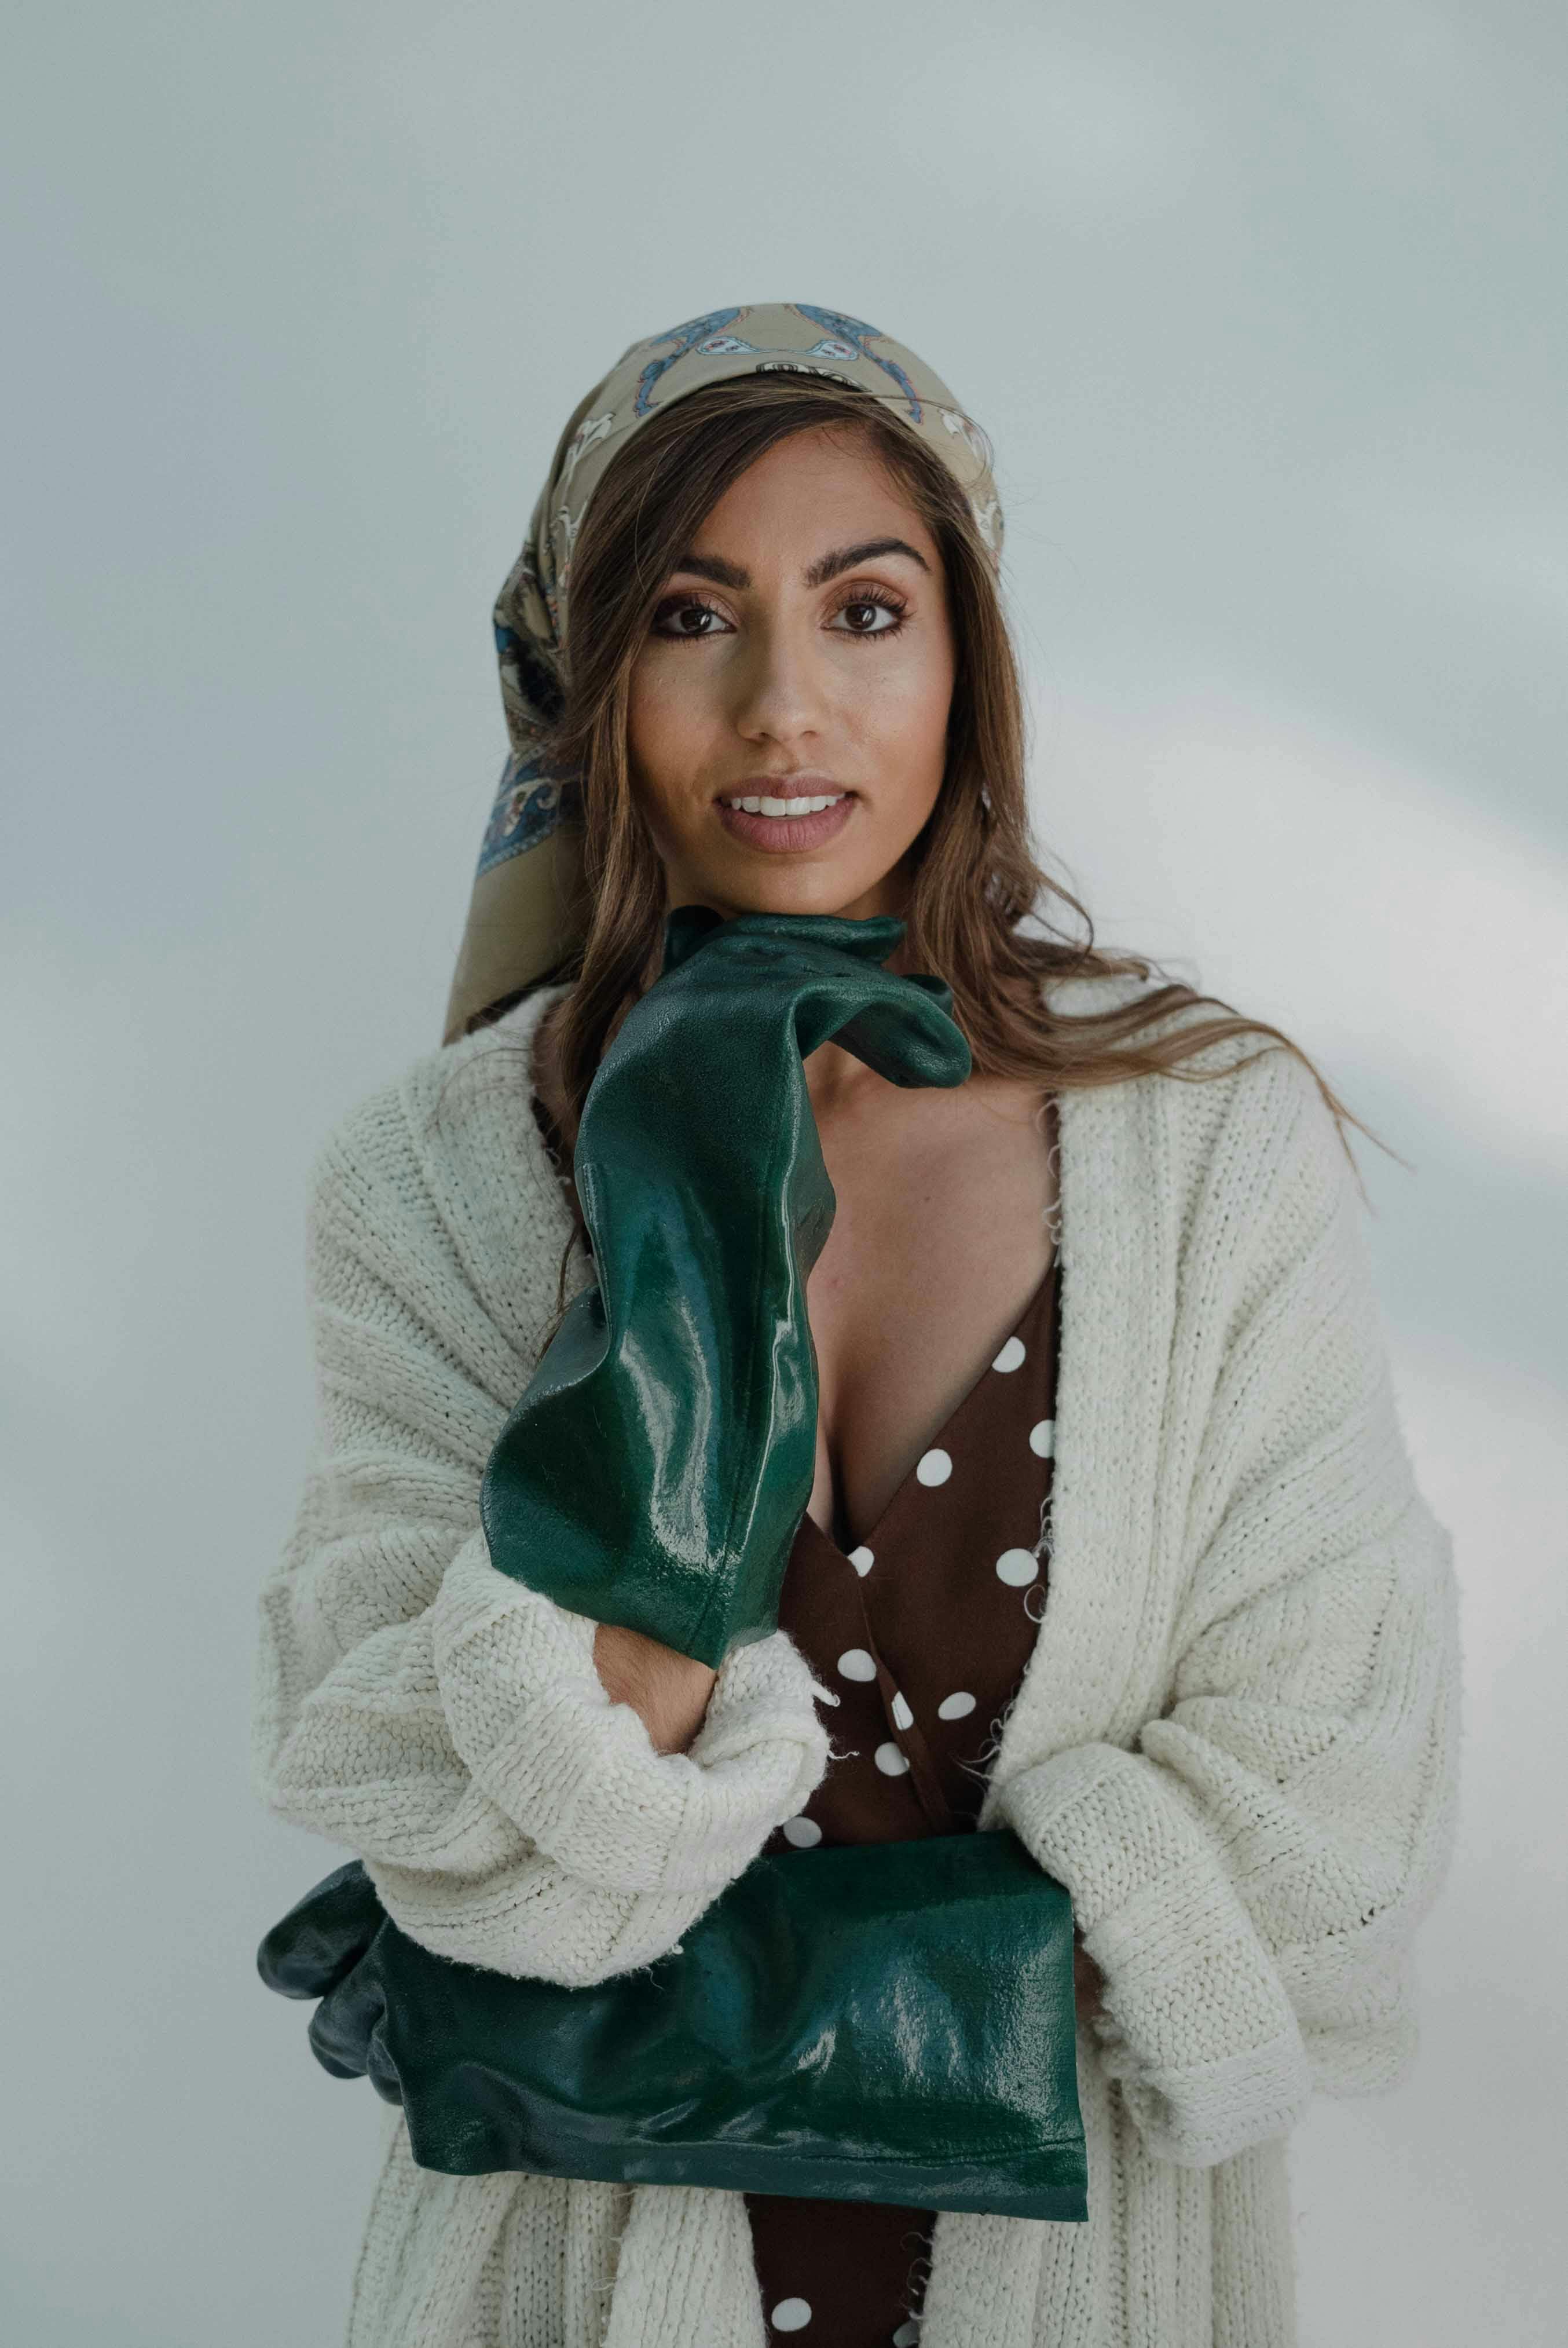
{"x": 669, "y": 1692}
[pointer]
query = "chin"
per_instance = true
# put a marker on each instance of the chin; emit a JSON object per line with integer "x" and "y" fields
{"x": 793, "y": 892}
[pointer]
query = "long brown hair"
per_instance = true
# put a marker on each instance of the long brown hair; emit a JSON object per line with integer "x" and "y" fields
{"x": 976, "y": 876}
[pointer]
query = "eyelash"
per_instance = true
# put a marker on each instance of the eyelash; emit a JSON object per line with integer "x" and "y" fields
{"x": 881, "y": 596}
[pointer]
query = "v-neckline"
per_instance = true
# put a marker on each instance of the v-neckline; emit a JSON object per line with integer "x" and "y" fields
{"x": 935, "y": 1443}
{"x": 551, "y": 1133}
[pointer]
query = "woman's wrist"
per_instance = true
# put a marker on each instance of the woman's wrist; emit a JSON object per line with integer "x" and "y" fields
{"x": 1088, "y": 1981}
{"x": 669, "y": 1692}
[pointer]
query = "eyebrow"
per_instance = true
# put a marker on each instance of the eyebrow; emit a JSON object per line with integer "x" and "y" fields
{"x": 816, "y": 575}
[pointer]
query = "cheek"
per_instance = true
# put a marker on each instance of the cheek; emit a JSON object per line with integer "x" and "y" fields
{"x": 906, "y": 707}
{"x": 664, "y": 714}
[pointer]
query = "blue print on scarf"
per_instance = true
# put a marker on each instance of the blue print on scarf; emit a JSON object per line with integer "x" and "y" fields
{"x": 856, "y": 334}
{"x": 529, "y": 804}
{"x": 686, "y": 338}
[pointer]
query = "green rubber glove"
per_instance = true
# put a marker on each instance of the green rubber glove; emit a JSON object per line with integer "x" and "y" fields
{"x": 879, "y": 2022}
{"x": 657, "y": 1467}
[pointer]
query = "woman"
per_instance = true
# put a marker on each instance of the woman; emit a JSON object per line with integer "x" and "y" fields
{"x": 1113, "y": 1538}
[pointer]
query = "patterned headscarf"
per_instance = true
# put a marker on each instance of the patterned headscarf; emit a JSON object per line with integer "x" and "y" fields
{"x": 521, "y": 919}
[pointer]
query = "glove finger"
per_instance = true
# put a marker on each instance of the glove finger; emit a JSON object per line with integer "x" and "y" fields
{"x": 308, "y": 1951}
{"x": 385, "y": 2076}
{"x": 824, "y": 972}
{"x": 906, "y": 1033}
{"x": 691, "y": 926}
{"x": 343, "y": 2025}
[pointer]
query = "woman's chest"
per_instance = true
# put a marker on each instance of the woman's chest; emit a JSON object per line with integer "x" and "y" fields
{"x": 943, "y": 1233}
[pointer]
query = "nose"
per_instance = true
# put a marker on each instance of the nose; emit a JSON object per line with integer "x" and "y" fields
{"x": 777, "y": 684}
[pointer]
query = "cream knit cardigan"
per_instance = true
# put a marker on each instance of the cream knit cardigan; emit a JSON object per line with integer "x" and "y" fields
{"x": 1235, "y": 1744}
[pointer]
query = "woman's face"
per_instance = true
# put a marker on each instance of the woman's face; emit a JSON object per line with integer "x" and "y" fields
{"x": 803, "y": 649}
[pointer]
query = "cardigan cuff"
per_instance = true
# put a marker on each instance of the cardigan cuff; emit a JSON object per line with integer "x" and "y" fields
{"x": 580, "y": 1776}
{"x": 1196, "y": 2025}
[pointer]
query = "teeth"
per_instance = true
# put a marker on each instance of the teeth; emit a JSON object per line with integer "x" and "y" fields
{"x": 786, "y": 807}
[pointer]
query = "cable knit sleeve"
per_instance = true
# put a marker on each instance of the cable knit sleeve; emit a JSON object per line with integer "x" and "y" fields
{"x": 1249, "y": 1878}
{"x": 440, "y": 1719}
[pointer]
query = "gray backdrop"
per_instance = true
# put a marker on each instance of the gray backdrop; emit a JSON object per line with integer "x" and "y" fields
{"x": 1263, "y": 311}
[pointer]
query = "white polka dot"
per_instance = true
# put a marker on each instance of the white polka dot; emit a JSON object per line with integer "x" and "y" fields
{"x": 957, "y": 1706}
{"x": 1011, "y": 1354}
{"x": 1042, "y": 1438}
{"x": 791, "y": 2316}
{"x": 803, "y": 1832}
{"x": 907, "y": 2335}
{"x": 1017, "y": 1566}
{"x": 902, "y": 1716}
{"x": 933, "y": 1467}
{"x": 825, "y": 1696}
{"x": 862, "y": 1559}
{"x": 890, "y": 1761}
{"x": 855, "y": 1663}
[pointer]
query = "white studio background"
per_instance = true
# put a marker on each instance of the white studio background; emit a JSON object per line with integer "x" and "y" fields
{"x": 1263, "y": 309}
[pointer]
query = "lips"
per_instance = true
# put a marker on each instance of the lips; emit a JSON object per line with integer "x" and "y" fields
{"x": 784, "y": 835}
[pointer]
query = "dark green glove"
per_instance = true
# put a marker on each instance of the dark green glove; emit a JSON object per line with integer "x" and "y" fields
{"x": 656, "y": 1470}
{"x": 890, "y": 2022}
{"x": 885, "y": 2022}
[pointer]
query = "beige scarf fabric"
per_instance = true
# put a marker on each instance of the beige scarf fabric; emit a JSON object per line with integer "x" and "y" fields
{"x": 521, "y": 918}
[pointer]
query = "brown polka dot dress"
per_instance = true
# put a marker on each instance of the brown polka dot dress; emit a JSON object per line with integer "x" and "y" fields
{"x": 923, "y": 1632}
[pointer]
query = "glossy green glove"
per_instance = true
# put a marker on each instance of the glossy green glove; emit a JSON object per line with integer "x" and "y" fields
{"x": 657, "y": 1467}
{"x": 885, "y": 2022}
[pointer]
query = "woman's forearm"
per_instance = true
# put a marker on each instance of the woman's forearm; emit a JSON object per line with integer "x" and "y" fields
{"x": 668, "y": 1691}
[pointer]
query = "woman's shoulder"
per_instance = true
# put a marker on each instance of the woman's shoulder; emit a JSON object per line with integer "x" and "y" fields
{"x": 461, "y": 1087}
{"x": 1097, "y": 995}
{"x": 1244, "y": 1110}
{"x": 449, "y": 1154}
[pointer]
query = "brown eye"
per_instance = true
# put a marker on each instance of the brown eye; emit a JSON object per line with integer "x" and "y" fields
{"x": 682, "y": 609}
{"x": 862, "y": 611}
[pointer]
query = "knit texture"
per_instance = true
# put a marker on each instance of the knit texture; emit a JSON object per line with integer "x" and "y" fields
{"x": 1237, "y": 1743}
